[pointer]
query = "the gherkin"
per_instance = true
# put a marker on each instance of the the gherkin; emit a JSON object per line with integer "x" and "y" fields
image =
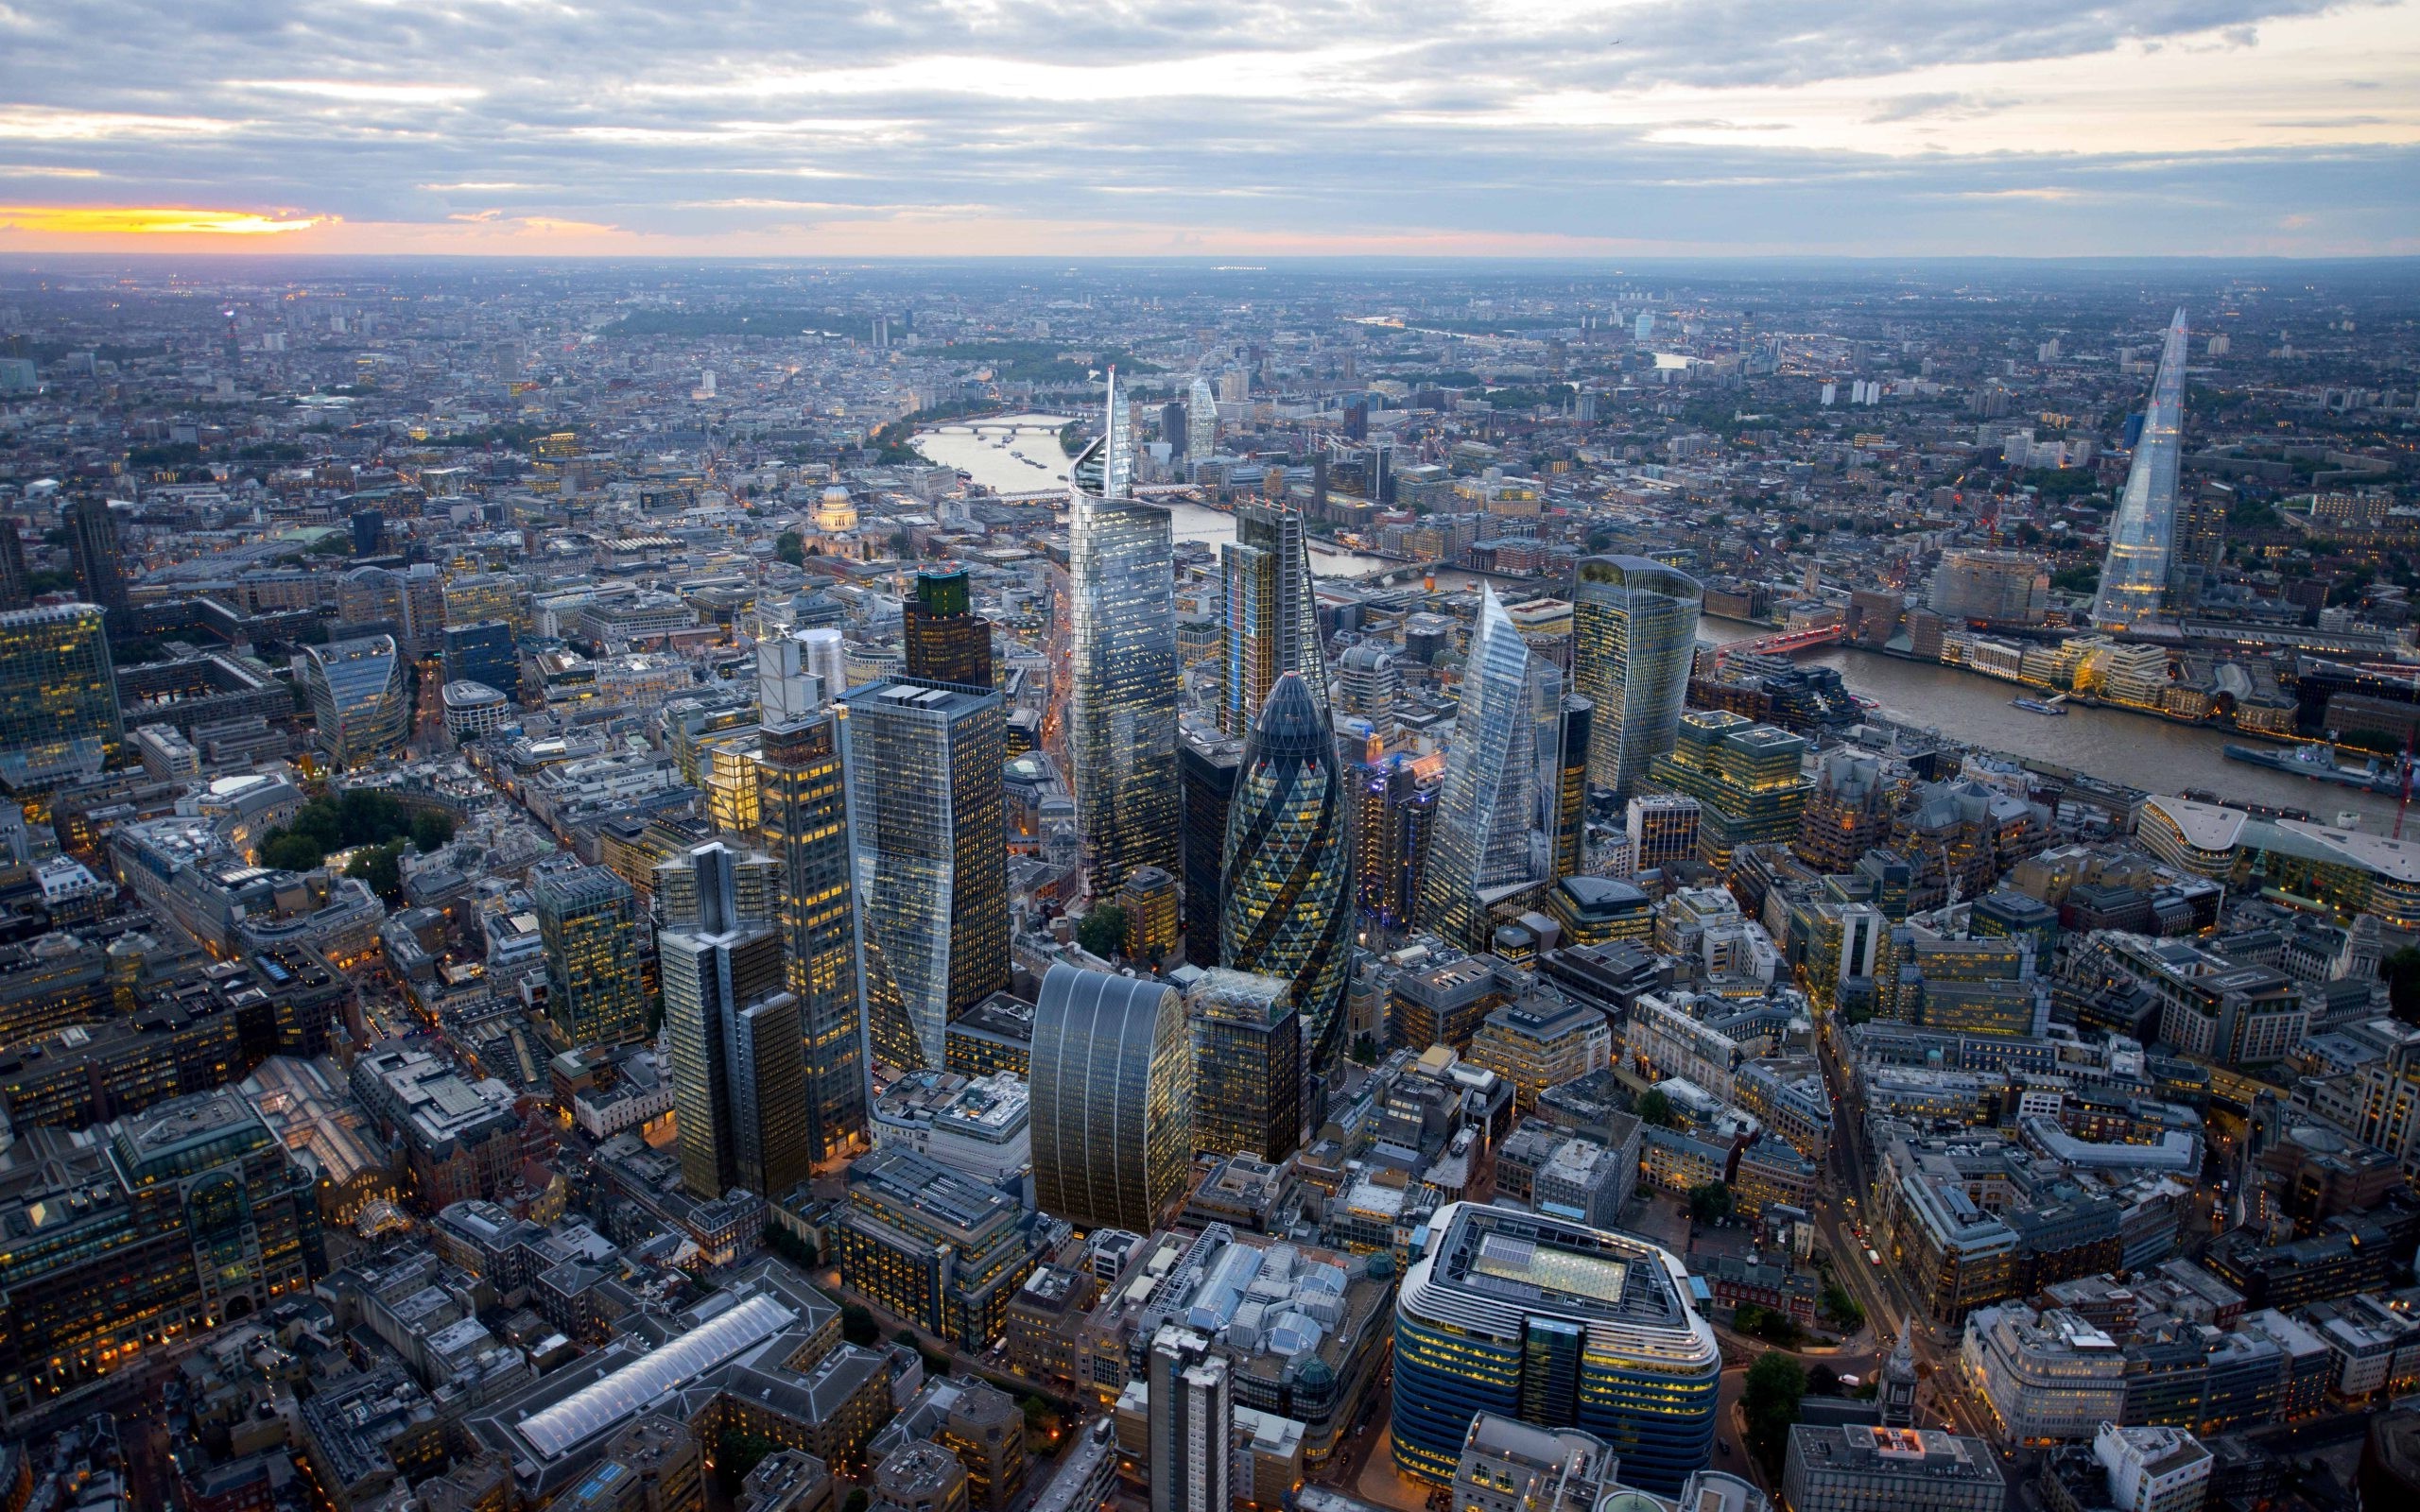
{"x": 1289, "y": 889}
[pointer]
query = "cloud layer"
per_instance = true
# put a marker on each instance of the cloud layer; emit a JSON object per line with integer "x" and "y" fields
{"x": 949, "y": 126}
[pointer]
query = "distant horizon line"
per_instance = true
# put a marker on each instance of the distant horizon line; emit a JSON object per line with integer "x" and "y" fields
{"x": 1209, "y": 262}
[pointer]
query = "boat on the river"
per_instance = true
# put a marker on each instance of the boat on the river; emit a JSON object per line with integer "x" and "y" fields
{"x": 2057, "y": 705}
{"x": 2320, "y": 764}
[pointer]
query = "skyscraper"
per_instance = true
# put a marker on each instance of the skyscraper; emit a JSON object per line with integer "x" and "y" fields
{"x": 947, "y": 642}
{"x": 1634, "y": 625}
{"x": 926, "y": 832}
{"x": 1392, "y": 827}
{"x": 1289, "y": 864}
{"x": 1570, "y": 795}
{"x": 787, "y": 689}
{"x": 1206, "y": 764}
{"x": 1561, "y": 1326}
{"x": 1201, "y": 419}
{"x": 1273, "y": 619}
{"x": 1484, "y": 808}
{"x": 1112, "y": 1110}
{"x": 739, "y": 1064}
{"x": 1191, "y": 1425}
{"x": 1122, "y": 714}
{"x": 92, "y": 548}
{"x": 357, "y": 700}
{"x": 803, "y": 821}
{"x": 58, "y": 692}
{"x": 15, "y": 593}
{"x": 2142, "y": 534}
{"x": 1247, "y": 1064}
{"x": 588, "y": 923}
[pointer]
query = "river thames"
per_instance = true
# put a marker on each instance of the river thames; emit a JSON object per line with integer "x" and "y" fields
{"x": 2156, "y": 755}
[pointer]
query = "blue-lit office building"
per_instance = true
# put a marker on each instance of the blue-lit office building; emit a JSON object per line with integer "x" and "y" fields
{"x": 486, "y": 653}
{"x": 1559, "y": 1324}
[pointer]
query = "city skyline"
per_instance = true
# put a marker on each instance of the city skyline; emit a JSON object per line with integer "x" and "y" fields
{"x": 1604, "y": 131}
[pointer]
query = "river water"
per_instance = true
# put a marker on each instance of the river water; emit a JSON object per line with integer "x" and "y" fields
{"x": 2120, "y": 745}
{"x": 2139, "y": 750}
{"x": 972, "y": 447}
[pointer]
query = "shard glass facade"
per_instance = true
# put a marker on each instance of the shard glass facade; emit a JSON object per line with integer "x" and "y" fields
{"x": 2142, "y": 535}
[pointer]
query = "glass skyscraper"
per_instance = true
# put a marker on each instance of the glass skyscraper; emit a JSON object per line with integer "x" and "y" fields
{"x": 1289, "y": 864}
{"x": 927, "y": 840}
{"x": 738, "y": 1066}
{"x": 946, "y": 641}
{"x": 1206, "y": 763}
{"x": 2142, "y": 535}
{"x": 92, "y": 548}
{"x": 803, "y": 821}
{"x": 1112, "y": 1109}
{"x": 1633, "y": 631}
{"x": 588, "y": 923}
{"x": 58, "y": 692}
{"x": 1247, "y": 1064}
{"x": 484, "y": 652}
{"x": 1561, "y": 1326}
{"x": 1483, "y": 823}
{"x": 1121, "y": 743}
{"x": 358, "y": 699}
{"x": 1273, "y": 619}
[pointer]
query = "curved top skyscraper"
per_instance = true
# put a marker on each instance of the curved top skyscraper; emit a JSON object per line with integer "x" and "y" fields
{"x": 1289, "y": 912}
{"x": 1112, "y": 1109}
{"x": 1481, "y": 832}
{"x": 2142, "y": 534}
{"x": 1635, "y": 627}
{"x": 1121, "y": 719}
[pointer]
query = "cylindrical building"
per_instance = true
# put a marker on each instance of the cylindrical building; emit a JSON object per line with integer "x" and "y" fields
{"x": 1559, "y": 1324}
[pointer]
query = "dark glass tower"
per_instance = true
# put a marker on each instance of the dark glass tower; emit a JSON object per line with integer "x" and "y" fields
{"x": 926, "y": 830}
{"x": 802, "y": 820}
{"x": 1289, "y": 899}
{"x": 738, "y": 1073}
{"x": 92, "y": 544}
{"x": 947, "y": 642}
{"x": 1205, "y": 766}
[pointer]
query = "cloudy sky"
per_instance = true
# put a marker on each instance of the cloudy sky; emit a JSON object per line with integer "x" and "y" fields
{"x": 1252, "y": 126}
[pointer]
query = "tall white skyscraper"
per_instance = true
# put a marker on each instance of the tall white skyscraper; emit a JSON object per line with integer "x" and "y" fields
{"x": 1123, "y": 665}
{"x": 788, "y": 690}
{"x": 1481, "y": 837}
{"x": 1201, "y": 419}
{"x": 2142, "y": 535}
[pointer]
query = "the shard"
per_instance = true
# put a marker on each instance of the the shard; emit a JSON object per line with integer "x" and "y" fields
{"x": 2142, "y": 535}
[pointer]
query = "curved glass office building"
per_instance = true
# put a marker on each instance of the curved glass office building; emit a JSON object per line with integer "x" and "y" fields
{"x": 1634, "y": 628}
{"x": 1112, "y": 1089}
{"x": 1559, "y": 1324}
{"x": 1289, "y": 909}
